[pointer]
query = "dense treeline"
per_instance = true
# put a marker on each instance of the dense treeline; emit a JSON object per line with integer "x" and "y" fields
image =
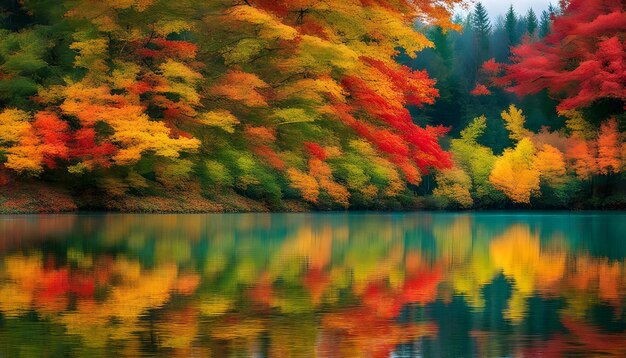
{"x": 456, "y": 62}
{"x": 564, "y": 69}
{"x": 292, "y": 105}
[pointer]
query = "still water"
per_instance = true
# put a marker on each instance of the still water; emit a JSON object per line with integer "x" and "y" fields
{"x": 307, "y": 285}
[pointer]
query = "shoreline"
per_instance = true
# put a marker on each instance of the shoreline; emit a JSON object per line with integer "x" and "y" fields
{"x": 94, "y": 211}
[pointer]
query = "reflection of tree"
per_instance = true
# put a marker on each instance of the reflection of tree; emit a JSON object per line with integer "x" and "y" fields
{"x": 518, "y": 253}
{"x": 300, "y": 285}
{"x": 581, "y": 337}
{"x": 361, "y": 333}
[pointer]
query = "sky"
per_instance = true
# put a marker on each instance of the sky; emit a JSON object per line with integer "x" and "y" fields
{"x": 499, "y": 7}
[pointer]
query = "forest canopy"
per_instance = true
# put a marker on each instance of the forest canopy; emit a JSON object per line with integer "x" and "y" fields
{"x": 154, "y": 105}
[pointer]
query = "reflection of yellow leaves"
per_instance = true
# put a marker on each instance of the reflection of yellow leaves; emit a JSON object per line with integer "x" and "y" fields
{"x": 150, "y": 291}
{"x": 131, "y": 269}
{"x": 93, "y": 325}
{"x": 14, "y": 300}
{"x": 244, "y": 328}
{"x": 178, "y": 329}
{"x": 25, "y": 270}
{"x": 215, "y": 305}
{"x": 517, "y": 307}
{"x": 313, "y": 243}
{"x": 517, "y": 252}
{"x": 454, "y": 240}
{"x": 23, "y": 273}
{"x": 137, "y": 291}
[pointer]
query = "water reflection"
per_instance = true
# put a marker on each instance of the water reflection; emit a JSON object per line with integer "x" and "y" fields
{"x": 303, "y": 285}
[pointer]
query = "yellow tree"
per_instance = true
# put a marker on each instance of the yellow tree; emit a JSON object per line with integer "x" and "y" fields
{"x": 19, "y": 142}
{"x": 453, "y": 185}
{"x": 477, "y": 160}
{"x": 550, "y": 163}
{"x": 514, "y": 121}
{"x": 515, "y": 174}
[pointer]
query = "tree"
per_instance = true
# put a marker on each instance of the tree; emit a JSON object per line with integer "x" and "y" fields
{"x": 453, "y": 186}
{"x": 136, "y": 89}
{"x": 481, "y": 25}
{"x": 18, "y": 142}
{"x": 515, "y": 174}
{"x": 609, "y": 148}
{"x": 550, "y": 163}
{"x": 580, "y": 61}
{"x": 531, "y": 22}
{"x": 515, "y": 121}
{"x": 545, "y": 23}
{"x": 511, "y": 26}
{"x": 476, "y": 160}
{"x": 581, "y": 157}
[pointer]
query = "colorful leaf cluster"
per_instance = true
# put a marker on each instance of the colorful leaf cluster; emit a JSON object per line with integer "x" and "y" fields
{"x": 581, "y": 61}
{"x": 146, "y": 96}
{"x": 555, "y": 163}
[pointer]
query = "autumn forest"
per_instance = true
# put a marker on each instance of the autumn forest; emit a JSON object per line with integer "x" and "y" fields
{"x": 296, "y": 105}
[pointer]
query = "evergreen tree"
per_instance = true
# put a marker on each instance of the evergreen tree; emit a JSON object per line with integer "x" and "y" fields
{"x": 531, "y": 22}
{"x": 482, "y": 27}
{"x": 544, "y": 24}
{"x": 511, "y": 26}
{"x": 443, "y": 46}
{"x": 546, "y": 20}
{"x": 480, "y": 21}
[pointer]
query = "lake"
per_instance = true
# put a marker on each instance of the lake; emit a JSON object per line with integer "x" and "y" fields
{"x": 306, "y": 285}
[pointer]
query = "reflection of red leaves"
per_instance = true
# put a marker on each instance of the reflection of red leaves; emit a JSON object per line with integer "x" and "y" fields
{"x": 55, "y": 283}
{"x": 316, "y": 282}
{"x": 584, "y": 338}
{"x": 263, "y": 292}
{"x": 594, "y": 340}
{"x": 381, "y": 300}
{"x": 556, "y": 347}
{"x": 187, "y": 284}
{"x": 372, "y": 335}
{"x": 480, "y": 90}
{"x": 422, "y": 288}
{"x": 82, "y": 286}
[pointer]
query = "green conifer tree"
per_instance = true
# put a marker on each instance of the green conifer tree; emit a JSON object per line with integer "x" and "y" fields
{"x": 531, "y": 22}
{"x": 510, "y": 23}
